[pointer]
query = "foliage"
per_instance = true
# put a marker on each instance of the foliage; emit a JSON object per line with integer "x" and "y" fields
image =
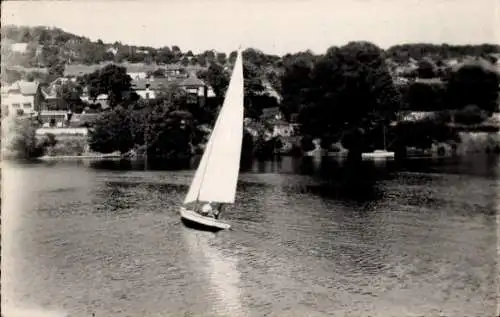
{"x": 253, "y": 88}
{"x": 347, "y": 93}
{"x": 424, "y": 96}
{"x": 112, "y": 132}
{"x": 69, "y": 146}
{"x": 221, "y": 58}
{"x": 295, "y": 82}
{"x": 247, "y": 146}
{"x": 70, "y": 93}
{"x": 164, "y": 127}
{"x": 21, "y": 142}
{"x": 169, "y": 134}
{"x": 219, "y": 79}
{"x": 427, "y": 69}
{"x": 111, "y": 80}
{"x": 439, "y": 51}
{"x": 423, "y": 134}
{"x": 470, "y": 114}
{"x": 306, "y": 143}
{"x": 474, "y": 84}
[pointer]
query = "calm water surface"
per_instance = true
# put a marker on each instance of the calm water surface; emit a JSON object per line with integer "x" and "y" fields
{"x": 310, "y": 239}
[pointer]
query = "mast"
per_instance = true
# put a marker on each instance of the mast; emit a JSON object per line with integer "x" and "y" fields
{"x": 383, "y": 131}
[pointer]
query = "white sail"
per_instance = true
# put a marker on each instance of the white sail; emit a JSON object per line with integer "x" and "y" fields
{"x": 217, "y": 174}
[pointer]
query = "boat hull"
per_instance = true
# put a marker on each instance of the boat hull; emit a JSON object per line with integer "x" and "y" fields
{"x": 194, "y": 220}
{"x": 378, "y": 155}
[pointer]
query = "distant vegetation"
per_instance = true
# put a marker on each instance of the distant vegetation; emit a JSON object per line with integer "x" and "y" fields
{"x": 19, "y": 140}
{"x": 348, "y": 94}
{"x": 52, "y": 48}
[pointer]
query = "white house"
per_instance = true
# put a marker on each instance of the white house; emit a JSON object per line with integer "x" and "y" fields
{"x": 137, "y": 75}
{"x": 23, "y": 95}
{"x": 19, "y": 47}
{"x": 144, "y": 88}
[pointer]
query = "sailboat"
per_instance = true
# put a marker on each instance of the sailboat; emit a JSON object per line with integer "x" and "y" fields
{"x": 216, "y": 177}
{"x": 378, "y": 154}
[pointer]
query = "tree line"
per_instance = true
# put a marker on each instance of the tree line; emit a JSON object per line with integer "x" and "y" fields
{"x": 348, "y": 95}
{"x": 53, "y": 47}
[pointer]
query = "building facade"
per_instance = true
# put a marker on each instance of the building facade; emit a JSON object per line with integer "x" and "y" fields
{"x": 22, "y": 98}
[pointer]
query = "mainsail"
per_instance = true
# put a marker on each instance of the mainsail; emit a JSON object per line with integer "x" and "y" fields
{"x": 217, "y": 174}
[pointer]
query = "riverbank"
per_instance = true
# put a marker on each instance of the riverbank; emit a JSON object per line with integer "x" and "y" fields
{"x": 75, "y": 147}
{"x": 85, "y": 156}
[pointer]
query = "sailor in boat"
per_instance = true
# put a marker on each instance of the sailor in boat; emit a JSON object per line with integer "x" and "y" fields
{"x": 208, "y": 211}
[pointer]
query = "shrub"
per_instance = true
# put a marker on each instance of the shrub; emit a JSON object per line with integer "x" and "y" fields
{"x": 72, "y": 147}
{"x": 471, "y": 114}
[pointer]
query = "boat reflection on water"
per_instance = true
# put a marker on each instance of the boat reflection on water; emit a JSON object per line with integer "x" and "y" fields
{"x": 218, "y": 270}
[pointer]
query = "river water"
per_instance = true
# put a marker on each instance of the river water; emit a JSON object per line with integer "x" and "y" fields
{"x": 310, "y": 238}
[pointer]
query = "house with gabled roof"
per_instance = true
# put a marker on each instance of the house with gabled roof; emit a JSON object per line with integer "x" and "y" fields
{"x": 280, "y": 126}
{"x": 21, "y": 97}
{"x": 19, "y": 47}
{"x": 195, "y": 87}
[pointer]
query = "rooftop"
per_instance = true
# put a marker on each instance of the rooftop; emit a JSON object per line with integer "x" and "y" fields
{"x": 192, "y": 80}
{"x": 154, "y": 84}
{"x": 270, "y": 113}
{"x": 24, "y": 87}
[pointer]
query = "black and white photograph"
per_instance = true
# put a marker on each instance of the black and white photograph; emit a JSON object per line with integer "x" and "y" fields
{"x": 231, "y": 158}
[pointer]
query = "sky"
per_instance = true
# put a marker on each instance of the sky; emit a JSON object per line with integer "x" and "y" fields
{"x": 273, "y": 26}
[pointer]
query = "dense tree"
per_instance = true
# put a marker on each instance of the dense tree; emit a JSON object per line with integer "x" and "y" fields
{"x": 253, "y": 89}
{"x": 470, "y": 114}
{"x": 165, "y": 56}
{"x": 422, "y": 134}
{"x": 193, "y": 61}
{"x": 70, "y": 94}
{"x": 232, "y": 57}
{"x": 255, "y": 57}
{"x": 176, "y": 49}
{"x": 349, "y": 95}
{"x": 112, "y": 132}
{"x": 169, "y": 134}
{"x": 474, "y": 84}
{"x": 221, "y": 58}
{"x": 442, "y": 51}
{"x": 20, "y": 141}
{"x": 111, "y": 80}
{"x": 185, "y": 61}
{"x": 295, "y": 82}
{"x": 424, "y": 96}
{"x": 202, "y": 61}
{"x": 216, "y": 77}
{"x": 427, "y": 68}
{"x": 209, "y": 56}
{"x": 159, "y": 129}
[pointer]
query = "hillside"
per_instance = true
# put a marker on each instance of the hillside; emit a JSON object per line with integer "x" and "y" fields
{"x": 46, "y": 47}
{"x": 43, "y": 54}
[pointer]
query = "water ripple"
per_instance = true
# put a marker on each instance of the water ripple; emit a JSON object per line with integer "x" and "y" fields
{"x": 398, "y": 243}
